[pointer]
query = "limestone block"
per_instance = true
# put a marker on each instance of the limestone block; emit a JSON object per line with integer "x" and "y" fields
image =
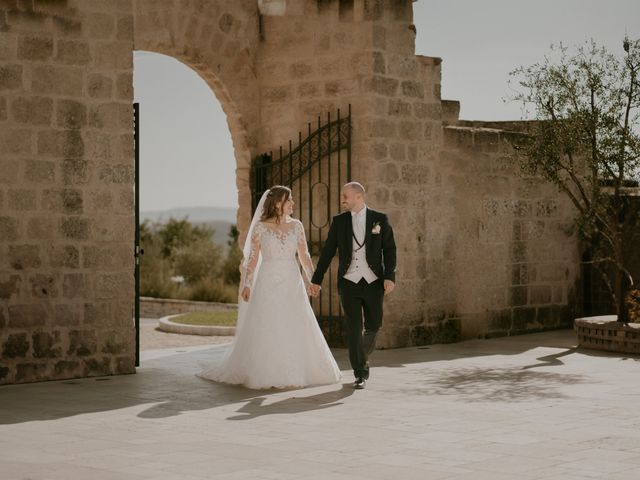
{"x": 412, "y": 89}
{"x": 10, "y": 287}
{"x": 66, "y": 200}
{"x": 63, "y": 80}
{"x": 310, "y": 90}
{"x": 16, "y": 346}
{"x": 46, "y": 345}
{"x": 38, "y": 48}
{"x": 82, "y": 343}
{"x": 39, "y": 171}
{"x": 41, "y": 228}
{"x": 9, "y": 170}
{"x": 70, "y": 114}
{"x": 111, "y": 115}
{"x": 67, "y": 315}
{"x": 409, "y": 130}
{"x": 10, "y": 77}
{"x": 8, "y": 45}
{"x": 16, "y": 141}
{"x": 8, "y": 229}
{"x": 116, "y": 173}
{"x": 113, "y": 55}
{"x": 75, "y": 171}
{"x": 27, "y": 316}
{"x": 64, "y": 256}
{"x": 75, "y": 285}
{"x": 381, "y": 85}
{"x": 76, "y": 228}
{"x": 22, "y": 199}
{"x": 60, "y": 143}
{"x": 97, "y": 313}
{"x": 73, "y": 52}
{"x": 100, "y": 200}
{"x": 24, "y": 256}
{"x": 125, "y": 28}
{"x": 66, "y": 369}
{"x": 44, "y": 285}
{"x": 400, "y": 108}
{"x": 99, "y": 86}
{"x": 3, "y": 109}
{"x": 124, "y": 87}
{"x": 113, "y": 285}
{"x": 397, "y": 152}
{"x": 99, "y": 25}
{"x": 108, "y": 257}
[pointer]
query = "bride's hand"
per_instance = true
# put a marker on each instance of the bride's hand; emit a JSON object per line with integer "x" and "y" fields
{"x": 246, "y": 292}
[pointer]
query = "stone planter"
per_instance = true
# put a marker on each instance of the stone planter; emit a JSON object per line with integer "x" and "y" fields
{"x": 166, "y": 325}
{"x": 606, "y": 333}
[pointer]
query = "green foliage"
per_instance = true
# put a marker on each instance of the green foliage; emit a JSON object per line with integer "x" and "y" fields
{"x": 586, "y": 141}
{"x": 231, "y": 266}
{"x": 181, "y": 260}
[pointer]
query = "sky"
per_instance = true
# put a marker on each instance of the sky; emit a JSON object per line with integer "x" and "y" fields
{"x": 186, "y": 151}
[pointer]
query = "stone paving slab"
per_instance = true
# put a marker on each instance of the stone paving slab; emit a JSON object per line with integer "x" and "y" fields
{"x": 531, "y": 407}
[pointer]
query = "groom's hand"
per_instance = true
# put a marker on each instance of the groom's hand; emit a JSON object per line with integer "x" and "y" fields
{"x": 246, "y": 293}
{"x": 314, "y": 290}
{"x": 388, "y": 286}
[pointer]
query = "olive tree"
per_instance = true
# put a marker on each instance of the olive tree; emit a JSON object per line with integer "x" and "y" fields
{"x": 586, "y": 140}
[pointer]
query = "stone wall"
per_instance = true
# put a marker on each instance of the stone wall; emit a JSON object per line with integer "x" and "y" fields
{"x": 66, "y": 198}
{"x": 513, "y": 254}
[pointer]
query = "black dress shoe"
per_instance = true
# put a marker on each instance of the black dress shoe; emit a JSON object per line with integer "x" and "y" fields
{"x": 359, "y": 383}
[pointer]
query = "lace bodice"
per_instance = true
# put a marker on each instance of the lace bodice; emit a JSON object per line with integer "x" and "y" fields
{"x": 278, "y": 243}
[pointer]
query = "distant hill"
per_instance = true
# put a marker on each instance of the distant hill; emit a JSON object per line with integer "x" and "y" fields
{"x": 218, "y": 218}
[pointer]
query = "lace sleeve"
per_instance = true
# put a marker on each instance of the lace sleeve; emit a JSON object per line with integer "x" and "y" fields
{"x": 253, "y": 256}
{"x": 303, "y": 252}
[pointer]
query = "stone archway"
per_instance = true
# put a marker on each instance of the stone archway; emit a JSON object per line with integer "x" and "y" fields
{"x": 218, "y": 41}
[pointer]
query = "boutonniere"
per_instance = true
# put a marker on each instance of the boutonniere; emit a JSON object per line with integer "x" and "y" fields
{"x": 376, "y": 228}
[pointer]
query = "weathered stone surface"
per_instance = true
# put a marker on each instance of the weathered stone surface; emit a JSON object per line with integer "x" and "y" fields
{"x": 97, "y": 313}
{"x": 111, "y": 115}
{"x": 73, "y": 52}
{"x": 10, "y": 77}
{"x": 76, "y": 228}
{"x": 24, "y": 256}
{"x": 32, "y": 110}
{"x": 82, "y": 343}
{"x": 30, "y": 372}
{"x": 75, "y": 285}
{"x": 39, "y": 171}
{"x": 65, "y": 256}
{"x": 9, "y": 287}
{"x": 16, "y": 346}
{"x": 70, "y": 114}
{"x": 75, "y": 171}
{"x": 62, "y": 80}
{"x": 124, "y": 87}
{"x": 67, "y": 315}
{"x": 22, "y": 199}
{"x": 67, "y": 200}
{"x": 100, "y": 25}
{"x": 27, "y": 316}
{"x": 100, "y": 86}
{"x": 16, "y": 142}
{"x": 35, "y": 48}
{"x": 3, "y": 108}
{"x": 46, "y": 345}
{"x": 8, "y": 229}
{"x": 66, "y": 143}
{"x": 44, "y": 286}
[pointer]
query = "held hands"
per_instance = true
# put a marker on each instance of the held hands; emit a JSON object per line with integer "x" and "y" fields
{"x": 388, "y": 286}
{"x": 245, "y": 294}
{"x": 313, "y": 289}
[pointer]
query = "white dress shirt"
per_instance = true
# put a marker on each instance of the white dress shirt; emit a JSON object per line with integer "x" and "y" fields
{"x": 359, "y": 268}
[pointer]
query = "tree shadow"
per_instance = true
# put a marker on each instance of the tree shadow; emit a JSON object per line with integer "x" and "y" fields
{"x": 256, "y": 408}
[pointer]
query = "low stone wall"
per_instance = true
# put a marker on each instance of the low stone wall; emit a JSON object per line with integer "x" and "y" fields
{"x": 162, "y": 307}
{"x": 605, "y": 333}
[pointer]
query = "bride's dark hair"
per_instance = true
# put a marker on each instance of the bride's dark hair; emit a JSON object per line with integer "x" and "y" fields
{"x": 277, "y": 194}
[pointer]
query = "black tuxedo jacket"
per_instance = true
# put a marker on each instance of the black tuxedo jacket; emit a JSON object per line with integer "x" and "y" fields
{"x": 380, "y": 247}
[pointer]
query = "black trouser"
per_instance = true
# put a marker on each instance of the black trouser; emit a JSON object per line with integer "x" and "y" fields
{"x": 359, "y": 298}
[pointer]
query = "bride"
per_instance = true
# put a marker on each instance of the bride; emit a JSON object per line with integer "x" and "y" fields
{"x": 278, "y": 342}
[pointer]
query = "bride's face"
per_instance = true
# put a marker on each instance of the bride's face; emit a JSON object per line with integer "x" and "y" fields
{"x": 287, "y": 207}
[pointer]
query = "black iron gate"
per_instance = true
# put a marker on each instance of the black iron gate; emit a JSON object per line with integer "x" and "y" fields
{"x": 315, "y": 169}
{"x": 137, "y": 250}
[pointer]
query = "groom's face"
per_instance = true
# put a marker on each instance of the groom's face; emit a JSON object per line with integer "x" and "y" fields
{"x": 350, "y": 198}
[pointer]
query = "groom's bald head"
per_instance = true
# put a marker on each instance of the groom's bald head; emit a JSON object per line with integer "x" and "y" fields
{"x": 352, "y": 196}
{"x": 356, "y": 187}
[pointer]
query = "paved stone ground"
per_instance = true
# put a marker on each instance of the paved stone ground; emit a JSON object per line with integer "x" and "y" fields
{"x": 529, "y": 407}
{"x": 152, "y": 339}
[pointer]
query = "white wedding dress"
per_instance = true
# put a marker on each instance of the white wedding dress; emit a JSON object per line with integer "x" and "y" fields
{"x": 278, "y": 343}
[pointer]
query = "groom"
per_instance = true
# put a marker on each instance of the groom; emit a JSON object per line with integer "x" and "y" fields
{"x": 366, "y": 272}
